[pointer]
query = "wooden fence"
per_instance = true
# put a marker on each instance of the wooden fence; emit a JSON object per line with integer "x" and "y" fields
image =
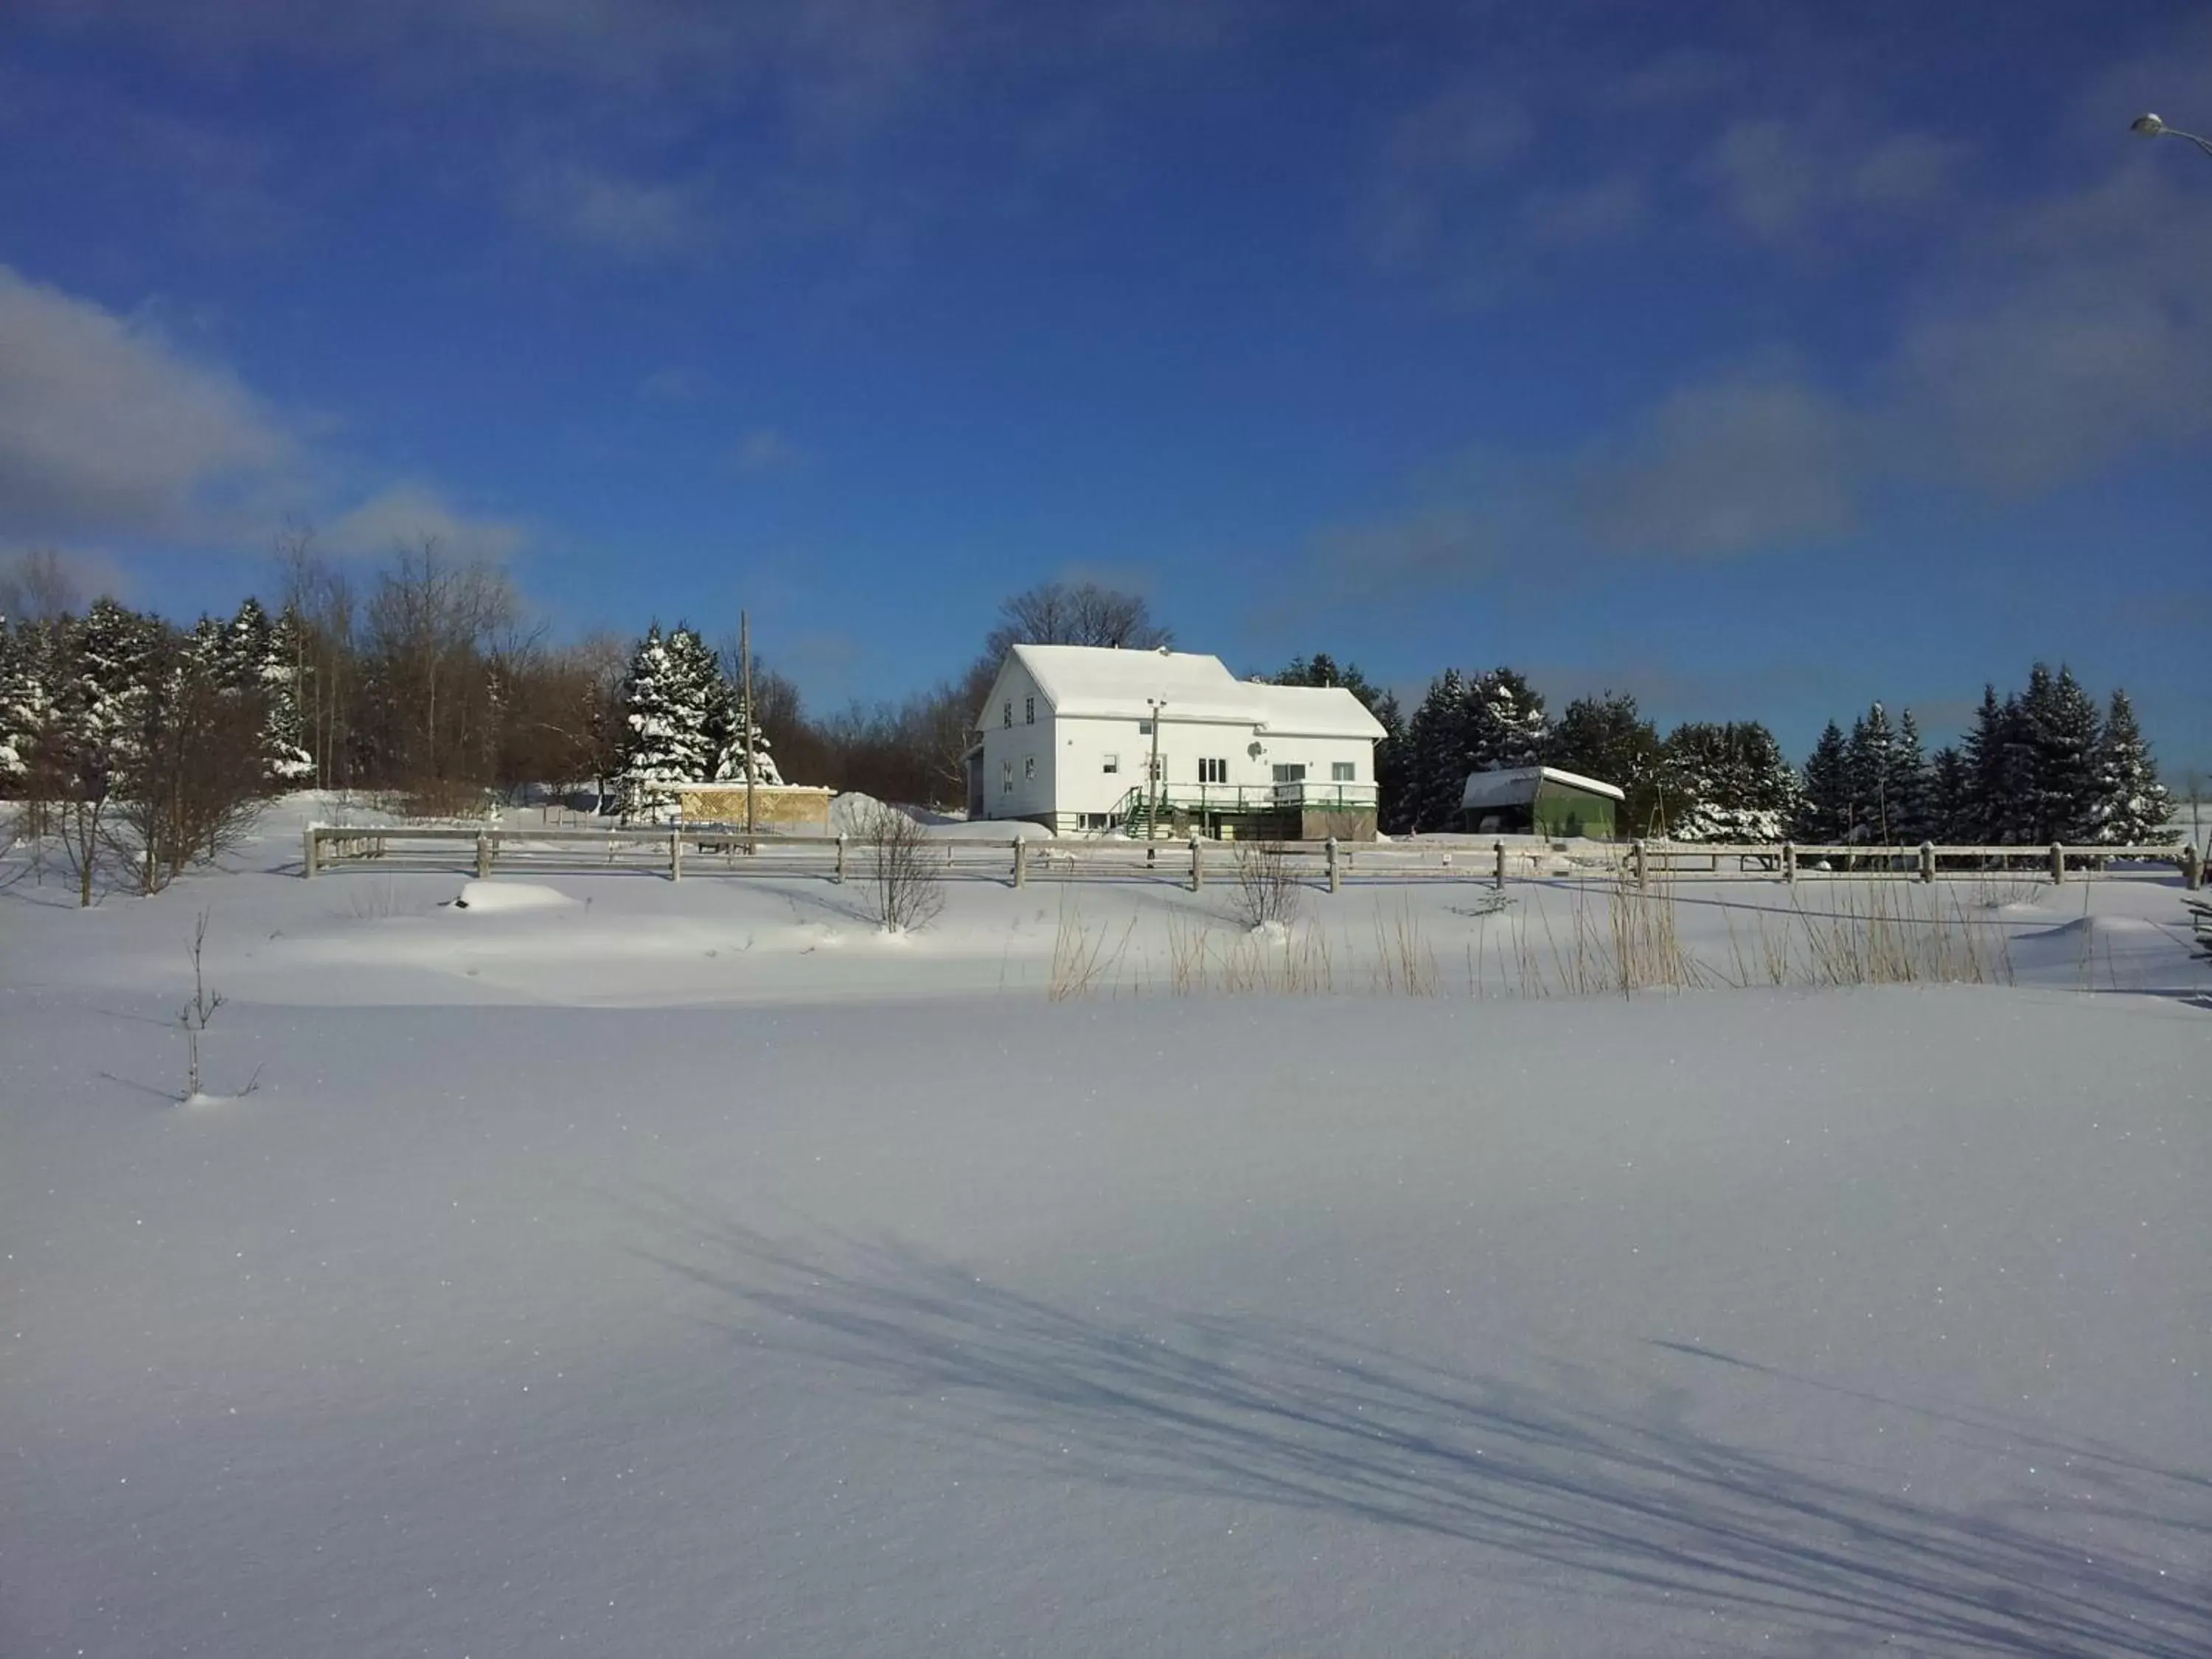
{"x": 699, "y": 849}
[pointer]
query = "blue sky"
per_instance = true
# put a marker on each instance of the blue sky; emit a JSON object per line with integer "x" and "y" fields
{"x": 1760, "y": 359}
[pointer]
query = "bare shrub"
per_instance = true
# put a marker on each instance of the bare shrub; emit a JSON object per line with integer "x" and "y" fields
{"x": 903, "y": 868}
{"x": 1267, "y": 892}
{"x": 1080, "y": 959}
{"x": 196, "y": 783}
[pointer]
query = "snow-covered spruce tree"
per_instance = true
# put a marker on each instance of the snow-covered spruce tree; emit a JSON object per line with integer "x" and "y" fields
{"x": 1437, "y": 779}
{"x": 735, "y": 731}
{"x": 1981, "y": 814}
{"x": 2069, "y": 735}
{"x": 1392, "y": 763}
{"x": 669, "y": 720}
{"x": 2133, "y": 809}
{"x": 1727, "y": 783}
{"x": 1906, "y": 786}
{"x": 13, "y": 740}
{"x": 1951, "y": 814}
{"x": 1823, "y": 808}
{"x": 1505, "y": 726}
{"x": 112, "y": 651}
{"x": 1867, "y": 759}
{"x": 290, "y": 763}
{"x": 29, "y": 707}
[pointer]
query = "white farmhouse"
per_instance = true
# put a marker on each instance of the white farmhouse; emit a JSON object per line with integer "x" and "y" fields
{"x": 1080, "y": 737}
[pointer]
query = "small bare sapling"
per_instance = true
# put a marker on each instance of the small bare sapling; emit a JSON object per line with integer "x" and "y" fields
{"x": 196, "y": 1014}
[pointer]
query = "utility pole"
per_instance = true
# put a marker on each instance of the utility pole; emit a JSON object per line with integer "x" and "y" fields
{"x": 745, "y": 731}
{"x": 1153, "y": 827}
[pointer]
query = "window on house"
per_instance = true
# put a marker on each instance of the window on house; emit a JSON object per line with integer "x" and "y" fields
{"x": 1008, "y": 719}
{"x": 1029, "y": 711}
{"x": 1144, "y": 728}
{"x": 1006, "y": 777}
{"x": 1156, "y": 767}
{"x": 1342, "y": 771}
{"x": 1289, "y": 772}
{"x": 1113, "y": 763}
{"x": 1028, "y": 768}
{"x": 1213, "y": 771}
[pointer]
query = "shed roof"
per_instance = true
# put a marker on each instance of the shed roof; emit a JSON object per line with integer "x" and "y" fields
{"x": 1098, "y": 682}
{"x": 1517, "y": 786}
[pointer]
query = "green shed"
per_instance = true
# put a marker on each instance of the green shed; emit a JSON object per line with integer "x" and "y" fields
{"x": 1540, "y": 800}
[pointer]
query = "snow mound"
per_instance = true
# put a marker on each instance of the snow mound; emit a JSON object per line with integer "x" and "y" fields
{"x": 496, "y": 895}
{"x": 2131, "y": 930}
{"x": 854, "y": 813}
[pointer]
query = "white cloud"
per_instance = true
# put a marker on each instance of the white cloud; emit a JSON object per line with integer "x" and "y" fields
{"x": 108, "y": 428}
{"x": 673, "y": 385}
{"x": 1742, "y": 463}
{"x": 405, "y": 515}
{"x": 763, "y": 452}
{"x": 631, "y": 218}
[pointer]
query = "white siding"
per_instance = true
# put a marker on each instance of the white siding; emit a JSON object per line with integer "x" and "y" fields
{"x": 1071, "y": 782}
{"x": 1017, "y": 745}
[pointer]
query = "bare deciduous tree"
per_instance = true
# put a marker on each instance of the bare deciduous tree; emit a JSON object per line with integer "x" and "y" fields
{"x": 198, "y": 776}
{"x": 1054, "y": 613}
{"x": 36, "y": 587}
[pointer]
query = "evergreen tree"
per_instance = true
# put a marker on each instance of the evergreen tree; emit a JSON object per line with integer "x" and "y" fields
{"x": 1438, "y": 769}
{"x": 14, "y": 745}
{"x": 276, "y": 682}
{"x": 1504, "y": 725}
{"x": 668, "y": 720}
{"x": 1952, "y": 815}
{"x": 1727, "y": 783}
{"x": 1606, "y": 738}
{"x": 1392, "y": 794}
{"x": 2067, "y": 732}
{"x": 112, "y": 652}
{"x": 28, "y": 693}
{"x": 1906, "y": 785}
{"x": 1823, "y": 808}
{"x": 1981, "y": 818}
{"x": 1868, "y": 758}
{"x": 2022, "y": 802}
{"x": 2133, "y": 808}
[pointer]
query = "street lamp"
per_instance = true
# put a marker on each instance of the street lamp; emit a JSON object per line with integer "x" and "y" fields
{"x": 2151, "y": 127}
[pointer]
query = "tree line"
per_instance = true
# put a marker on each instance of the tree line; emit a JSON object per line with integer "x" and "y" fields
{"x": 2040, "y": 765}
{"x": 426, "y": 677}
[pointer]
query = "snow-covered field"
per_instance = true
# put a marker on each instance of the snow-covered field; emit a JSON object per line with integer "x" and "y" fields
{"x": 622, "y": 1267}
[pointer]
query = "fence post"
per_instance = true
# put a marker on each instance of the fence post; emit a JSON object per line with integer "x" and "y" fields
{"x": 1197, "y": 866}
{"x": 2057, "y": 865}
{"x": 314, "y": 850}
{"x": 841, "y": 858}
{"x": 1335, "y": 874}
{"x": 1927, "y": 861}
{"x": 483, "y": 855}
{"x": 1636, "y": 860}
{"x": 1789, "y": 860}
{"x": 675, "y": 854}
{"x": 2192, "y": 867}
{"x": 1501, "y": 866}
{"x": 1021, "y": 862}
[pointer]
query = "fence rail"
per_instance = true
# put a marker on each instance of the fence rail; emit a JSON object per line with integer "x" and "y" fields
{"x": 714, "y": 849}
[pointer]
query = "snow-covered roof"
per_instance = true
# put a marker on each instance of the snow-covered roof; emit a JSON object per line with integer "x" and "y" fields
{"x": 1518, "y": 785}
{"x": 1095, "y": 682}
